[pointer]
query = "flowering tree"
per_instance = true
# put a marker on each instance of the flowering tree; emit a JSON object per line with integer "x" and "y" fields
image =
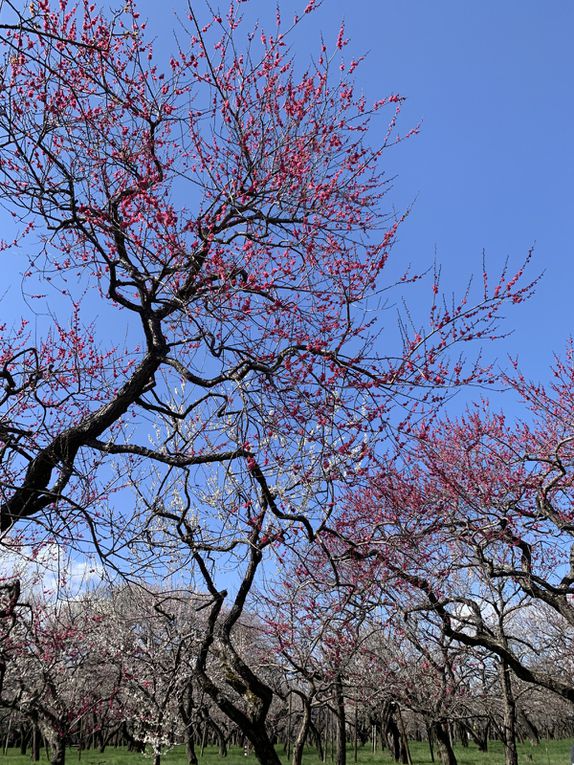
{"x": 221, "y": 213}
{"x": 60, "y": 671}
{"x": 154, "y": 638}
{"x": 313, "y": 618}
{"x": 492, "y": 502}
{"x": 424, "y": 672}
{"x": 509, "y": 536}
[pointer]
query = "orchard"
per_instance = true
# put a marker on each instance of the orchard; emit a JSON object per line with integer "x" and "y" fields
{"x": 287, "y": 540}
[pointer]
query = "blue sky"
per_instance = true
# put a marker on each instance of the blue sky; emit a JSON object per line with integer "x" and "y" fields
{"x": 493, "y": 166}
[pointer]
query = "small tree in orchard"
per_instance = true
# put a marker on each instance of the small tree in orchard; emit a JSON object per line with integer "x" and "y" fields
{"x": 314, "y": 617}
{"x": 483, "y": 507}
{"x": 155, "y": 635}
{"x": 211, "y": 232}
{"x": 504, "y": 493}
{"x": 428, "y": 674}
{"x": 61, "y": 670}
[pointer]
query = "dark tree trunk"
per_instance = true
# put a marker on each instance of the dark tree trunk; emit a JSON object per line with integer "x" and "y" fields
{"x": 532, "y": 728}
{"x": 134, "y": 744}
{"x": 442, "y": 738}
{"x": 251, "y": 715}
{"x": 221, "y": 737}
{"x": 287, "y": 740}
{"x": 36, "y": 742}
{"x": 302, "y": 733}
{"x": 391, "y": 731}
{"x": 356, "y": 734}
{"x": 509, "y": 712}
{"x": 57, "y": 749}
{"x": 25, "y": 732}
{"x": 341, "y": 722}
{"x": 405, "y": 751}
{"x": 253, "y": 725}
{"x": 394, "y": 734}
{"x": 480, "y": 738}
{"x": 98, "y": 738}
{"x": 190, "y": 748}
{"x": 186, "y": 711}
{"x": 430, "y": 740}
{"x": 318, "y": 742}
{"x": 99, "y": 741}
{"x": 262, "y": 747}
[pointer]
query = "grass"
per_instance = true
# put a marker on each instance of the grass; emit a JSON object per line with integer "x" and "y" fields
{"x": 546, "y": 753}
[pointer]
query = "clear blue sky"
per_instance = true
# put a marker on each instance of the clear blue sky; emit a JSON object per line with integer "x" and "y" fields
{"x": 493, "y": 167}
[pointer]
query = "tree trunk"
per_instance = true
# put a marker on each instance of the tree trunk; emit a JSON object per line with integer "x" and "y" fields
{"x": 430, "y": 740}
{"x": 256, "y": 694}
{"x": 341, "y": 722}
{"x": 186, "y": 712}
{"x": 480, "y": 738}
{"x": 56, "y": 749}
{"x": 509, "y": 715}
{"x": 190, "y": 748}
{"x": 262, "y": 747}
{"x": 134, "y": 744}
{"x": 36, "y": 742}
{"x": 221, "y": 738}
{"x": 24, "y": 738}
{"x": 394, "y": 733}
{"x": 356, "y": 734}
{"x": 8, "y": 731}
{"x": 318, "y": 742}
{"x": 301, "y": 737}
{"x": 442, "y": 738}
{"x": 533, "y": 729}
{"x": 405, "y": 751}
{"x": 251, "y": 725}
{"x": 287, "y": 743}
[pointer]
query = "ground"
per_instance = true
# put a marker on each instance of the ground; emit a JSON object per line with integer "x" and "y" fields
{"x": 546, "y": 753}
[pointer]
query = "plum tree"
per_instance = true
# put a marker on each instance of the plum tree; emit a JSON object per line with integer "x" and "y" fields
{"x": 209, "y": 232}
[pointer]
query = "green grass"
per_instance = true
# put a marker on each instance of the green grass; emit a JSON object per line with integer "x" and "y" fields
{"x": 547, "y": 753}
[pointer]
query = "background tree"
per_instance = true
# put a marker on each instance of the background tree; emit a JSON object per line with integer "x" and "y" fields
{"x": 505, "y": 495}
{"x": 60, "y": 671}
{"x": 314, "y": 617}
{"x": 483, "y": 510}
